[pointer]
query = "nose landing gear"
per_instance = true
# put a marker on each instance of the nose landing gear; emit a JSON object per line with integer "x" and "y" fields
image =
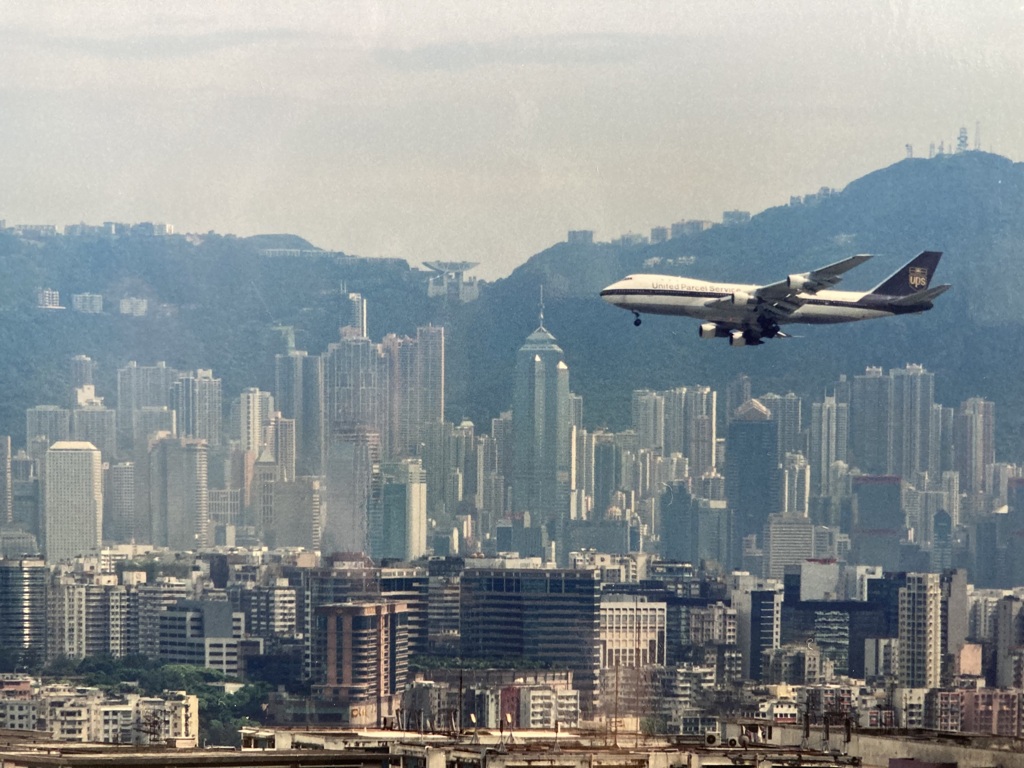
{"x": 636, "y": 318}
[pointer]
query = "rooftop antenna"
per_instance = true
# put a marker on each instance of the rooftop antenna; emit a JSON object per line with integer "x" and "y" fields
{"x": 542, "y": 306}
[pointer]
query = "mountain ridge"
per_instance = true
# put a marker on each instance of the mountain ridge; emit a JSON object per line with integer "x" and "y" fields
{"x": 215, "y": 302}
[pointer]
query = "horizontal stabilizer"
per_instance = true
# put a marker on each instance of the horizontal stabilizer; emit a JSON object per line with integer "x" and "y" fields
{"x": 922, "y": 297}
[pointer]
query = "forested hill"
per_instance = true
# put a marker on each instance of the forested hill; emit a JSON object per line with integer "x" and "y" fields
{"x": 214, "y": 302}
{"x": 970, "y": 206}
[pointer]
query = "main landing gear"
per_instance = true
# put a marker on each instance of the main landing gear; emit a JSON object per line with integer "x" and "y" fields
{"x": 636, "y": 318}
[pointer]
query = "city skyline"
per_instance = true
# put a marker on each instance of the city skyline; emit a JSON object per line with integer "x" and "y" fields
{"x": 454, "y": 130}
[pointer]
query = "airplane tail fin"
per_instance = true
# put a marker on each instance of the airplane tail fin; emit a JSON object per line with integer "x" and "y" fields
{"x": 912, "y": 277}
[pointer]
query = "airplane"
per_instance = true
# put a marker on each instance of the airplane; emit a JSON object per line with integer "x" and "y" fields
{"x": 749, "y": 314}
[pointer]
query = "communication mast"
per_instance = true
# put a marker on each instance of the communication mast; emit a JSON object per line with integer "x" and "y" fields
{"x": 910, "y": 151}
{"x": 977, "y": 135}
{"x": 961, "y": 140}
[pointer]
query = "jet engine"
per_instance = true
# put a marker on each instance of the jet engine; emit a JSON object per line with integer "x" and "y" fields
{"x": 737, "y": 339}
{"x": 799, "y": 282}
{"x": 743, "y": 299}
{"x": 709, "y": 331}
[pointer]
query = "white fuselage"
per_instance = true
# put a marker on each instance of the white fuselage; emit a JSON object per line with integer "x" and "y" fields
{"x": 703, "y": 299}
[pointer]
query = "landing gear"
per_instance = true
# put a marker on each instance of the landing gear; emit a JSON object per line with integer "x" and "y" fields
{"x": 636, "y": 319}
{"x": 769, "y": 328}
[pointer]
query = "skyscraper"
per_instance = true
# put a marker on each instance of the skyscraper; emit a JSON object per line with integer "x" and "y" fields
{"x": 879, "y": 524}
{"x": 299, "y": 391}
{"x": 871, "y": 413}
{"x": 23, "y": 608}
{"x": 404, "y": 511}
{"x": 74, "y": 500}
{"x": 179, "y": 502}
{"x": 541, "y": 435}
{"x": 119, "y": 517}
{"x": 6, "y": 482}
{"x": 352, "y": 492}
{"x": 751, "y": 471}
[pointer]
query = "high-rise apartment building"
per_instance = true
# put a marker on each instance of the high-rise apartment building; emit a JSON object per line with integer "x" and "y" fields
{"x": 649, "y": 419}
{"x": 197, "y": 399}
{"x": 280, "y": 437}
{"x": 353, "y": 315}
{"x": 829, "y": 436}
{"x": 430, "y": 374}
{"x": 355, "y": 386}
{"x": 975, "y": 451}
{"x": 47, "y": 421}
{"x": 74, "y": 500}
{"x": 254, "y": 411}
{"x": 83, "y": 371}
{"x": 920, "y": 631}
{"x": 361, "y": 657}
{"x": 92, "y": 422}
{"x": 787, "y": 413}
{"x": 913, "y": 399}
{"x": 87, "y": 615}
{"x": 139, "y": 387}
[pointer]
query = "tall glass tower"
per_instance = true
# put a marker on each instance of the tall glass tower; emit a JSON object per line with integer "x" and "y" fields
{"x": 541, "y": 432}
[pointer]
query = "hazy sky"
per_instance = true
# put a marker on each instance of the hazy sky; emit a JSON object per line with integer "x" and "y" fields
{"x": 480, "y": 130}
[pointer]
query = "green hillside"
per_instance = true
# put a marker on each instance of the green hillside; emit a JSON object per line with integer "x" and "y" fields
{"x": 215, "y": 301}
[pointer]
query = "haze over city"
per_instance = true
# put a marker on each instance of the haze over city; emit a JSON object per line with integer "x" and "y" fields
{"x": 481, "y": 132}
{"x": 362, "y": 503}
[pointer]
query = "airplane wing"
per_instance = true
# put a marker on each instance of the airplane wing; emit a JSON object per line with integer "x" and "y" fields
{"x": 783, "y": 298}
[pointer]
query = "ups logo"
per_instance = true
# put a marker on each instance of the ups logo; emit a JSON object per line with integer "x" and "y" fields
{"x": 918, "y": 278}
